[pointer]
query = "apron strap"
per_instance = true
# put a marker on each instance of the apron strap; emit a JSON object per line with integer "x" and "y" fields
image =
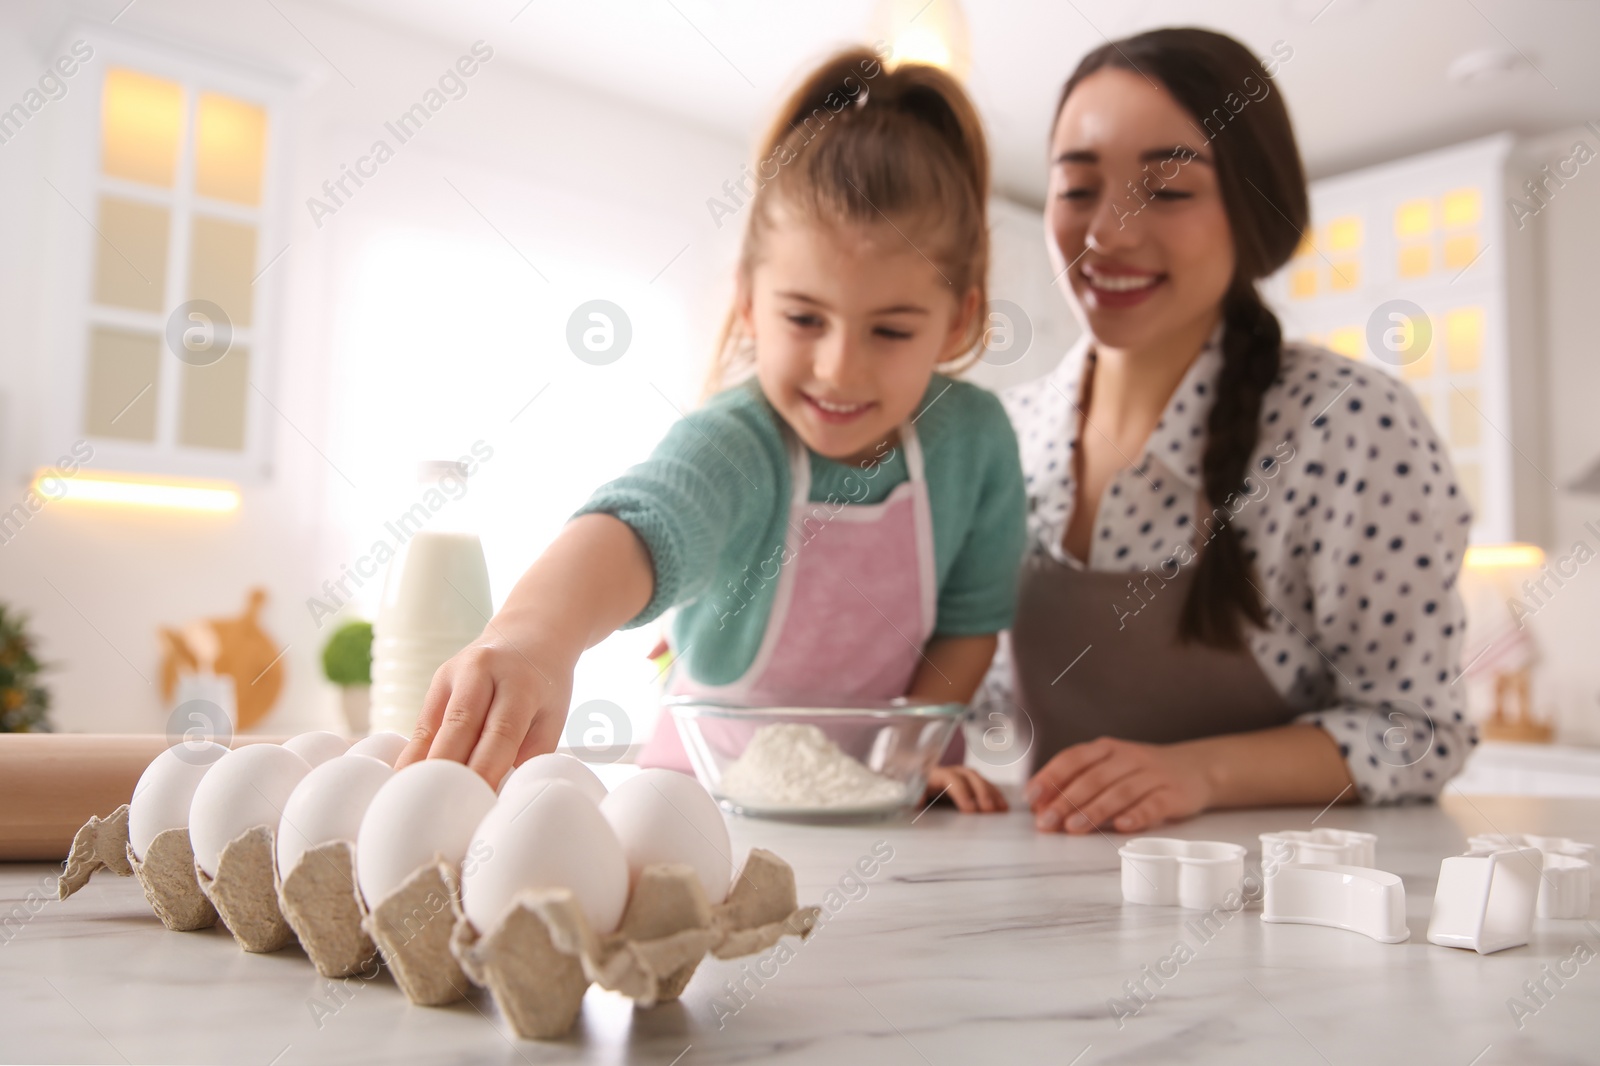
{"x": 913, "y": 446}
{"x": 799, "y": 466}
{"x": 800, "y": 461}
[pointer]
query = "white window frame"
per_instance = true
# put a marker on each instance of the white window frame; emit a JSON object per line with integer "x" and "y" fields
{"x": 1497, "y": 281}
{"x": 73, "y": 314}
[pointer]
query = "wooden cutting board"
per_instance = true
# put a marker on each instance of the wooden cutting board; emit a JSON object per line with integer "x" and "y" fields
{"x": 50, "y": 783}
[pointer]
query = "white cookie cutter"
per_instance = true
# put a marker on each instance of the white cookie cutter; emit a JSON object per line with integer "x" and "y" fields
{"x": 1567, "y": 875}
{"x": 1333, "y": 847}
{"x": 1357, "y": 898}
{"x": 1549, "y": 845}
{"x": 1485, "y": 901}
{"x": 1198, "y": 874}
{"x": 1564, "y": 887}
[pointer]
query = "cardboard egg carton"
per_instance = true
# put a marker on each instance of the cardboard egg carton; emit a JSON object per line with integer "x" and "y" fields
{"x": 411, "y": 928}
{"x": 542, "y": 956}
{"x": 245, "y": 894}
{"x": 167, "y": 873}
{"x": 537, "y": 962}
{"x": 102, "y": 843}
{"x": 316, "y": 904}
{"x": 320, "y": 902}
{"x": 183, "y": 895}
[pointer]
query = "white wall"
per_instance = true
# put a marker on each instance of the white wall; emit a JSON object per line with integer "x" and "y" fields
{"x": 1567, "y": 684}
{"x": 552, "y": 168}
{"x": 1031, "y": 325}
{"x": 555, "y": 169}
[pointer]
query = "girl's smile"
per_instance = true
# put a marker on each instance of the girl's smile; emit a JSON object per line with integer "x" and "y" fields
{"x": 837, "y": 412}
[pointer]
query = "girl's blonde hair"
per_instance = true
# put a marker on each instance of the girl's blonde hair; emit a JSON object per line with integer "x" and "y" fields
{"x": 855, "y": 144}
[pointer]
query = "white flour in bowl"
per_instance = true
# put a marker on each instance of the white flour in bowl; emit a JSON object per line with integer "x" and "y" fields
{"x": 793, "y": 765}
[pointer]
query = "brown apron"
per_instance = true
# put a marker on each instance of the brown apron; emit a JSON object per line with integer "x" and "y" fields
{"x": 1095, "y": 657}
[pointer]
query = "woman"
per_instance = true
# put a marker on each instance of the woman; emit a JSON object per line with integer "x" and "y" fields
{"x": 1241, "y": 584}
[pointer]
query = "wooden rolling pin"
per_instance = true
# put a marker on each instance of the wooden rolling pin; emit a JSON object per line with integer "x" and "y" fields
{"x": 50, "y": 783}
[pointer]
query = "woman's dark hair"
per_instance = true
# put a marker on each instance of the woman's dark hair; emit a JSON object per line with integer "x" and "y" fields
{"x": 1220, "y": 83}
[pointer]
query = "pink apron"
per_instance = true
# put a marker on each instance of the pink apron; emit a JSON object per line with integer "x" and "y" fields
{"x": 854, "y": 607}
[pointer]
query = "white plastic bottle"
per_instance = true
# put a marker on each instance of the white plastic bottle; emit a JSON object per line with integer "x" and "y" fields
{"x": 435, "y": 601}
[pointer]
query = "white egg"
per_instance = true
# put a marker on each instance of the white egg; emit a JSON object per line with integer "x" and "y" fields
{"x": 429, "y": 808}
{"x": 245, "y": 788}
{"x": 385, "y": 746}
{"x": 555, "y": 766}
{"x": 549, "y": 835}
{"x": 328, "y": 805}
{"x": 664, "y": 816}
{"x": 318, "y": 746}
{"x": 165, "y": 790}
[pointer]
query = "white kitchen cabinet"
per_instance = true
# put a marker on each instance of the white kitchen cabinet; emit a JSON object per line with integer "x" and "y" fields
{"x": 1425, "y": 268}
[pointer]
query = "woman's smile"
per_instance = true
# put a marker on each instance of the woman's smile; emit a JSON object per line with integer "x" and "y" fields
{"x": 1114, "y": 287}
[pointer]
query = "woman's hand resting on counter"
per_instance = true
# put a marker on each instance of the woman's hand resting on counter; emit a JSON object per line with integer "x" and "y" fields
{"x": 1129, "y": 787}
{"x": 1120, "y": 785}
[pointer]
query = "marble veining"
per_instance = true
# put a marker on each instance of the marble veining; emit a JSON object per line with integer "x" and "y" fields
{"x": 979, "y": 941}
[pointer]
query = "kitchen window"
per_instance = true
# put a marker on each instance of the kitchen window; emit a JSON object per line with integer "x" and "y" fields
{"x": 168, "y": 182}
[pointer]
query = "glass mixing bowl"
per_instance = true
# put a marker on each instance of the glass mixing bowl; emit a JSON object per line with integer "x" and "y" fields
{"x": 815, "y": 763}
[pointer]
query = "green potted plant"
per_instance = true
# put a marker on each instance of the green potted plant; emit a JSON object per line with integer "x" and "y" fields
{"x": 24, "y": 703}
{"x": 347, "y": 662}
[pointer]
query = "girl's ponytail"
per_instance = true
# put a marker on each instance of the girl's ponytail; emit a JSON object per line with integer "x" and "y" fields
{"x": 859, "y": 144}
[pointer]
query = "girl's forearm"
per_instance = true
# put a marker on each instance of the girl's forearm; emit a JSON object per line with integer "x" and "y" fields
{"x": 595, "y": 576}
{"x": 952, "y": 668}
{"x": 1286, "y": 765}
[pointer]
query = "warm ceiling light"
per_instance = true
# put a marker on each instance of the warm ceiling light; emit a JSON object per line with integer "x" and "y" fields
{"x": 933, "y": 32}
{"x": 171, "y": 495}
{"x": 1504, "y": 557}
{"x": 919, "y": 44}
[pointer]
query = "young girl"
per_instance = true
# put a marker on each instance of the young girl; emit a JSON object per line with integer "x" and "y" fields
{"x": 839, "y": 522}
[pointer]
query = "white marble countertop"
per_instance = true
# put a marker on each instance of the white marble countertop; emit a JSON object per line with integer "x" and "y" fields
{"x": 1500, "y": 768}
{"x": 979, "y": 941}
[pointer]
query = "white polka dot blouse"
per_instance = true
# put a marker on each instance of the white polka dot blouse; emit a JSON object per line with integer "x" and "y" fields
{"x": 1353, "y": 521}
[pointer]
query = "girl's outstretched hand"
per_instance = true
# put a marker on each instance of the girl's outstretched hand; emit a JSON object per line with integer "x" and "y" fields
{"x": 503, "y": 698}
{"x": 493, "y": 705}
{"x": 969, "y": 790}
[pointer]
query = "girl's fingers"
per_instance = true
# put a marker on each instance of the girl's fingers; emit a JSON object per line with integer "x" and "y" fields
{"x": 990, "y": 798}
{"x": 959, "y": 792}
{"x": 540, "y": 740}
{"x": 427, "y": 728}
{"x": 1047, "y": 784}
{"x": 948, "y": 783}
{"x": 969, "y": 790}
{"x": 464, "y": 715}
{"x": 505, "y": 727}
